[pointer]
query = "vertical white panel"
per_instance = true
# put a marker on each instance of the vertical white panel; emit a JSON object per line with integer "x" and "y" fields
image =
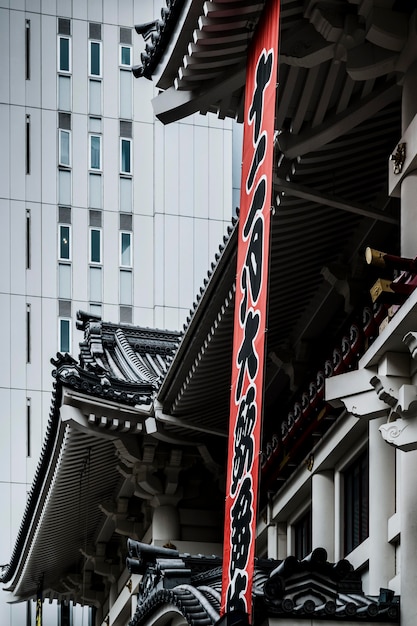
{"x": 18, "y": 247}
{"x": 79, "y": 9}
{"x": 125, "y": 12}
{"x": 125, "y": 289}
{"x": 18, "y": 436}
{"x": 125, "y": 195}
{"x": 216, "y": 173}
{"x": 80, "y": 252}
{"x": 96, "y": 284}
{"x": 158, "y": 166}
{"x": 80, "y": 160}
{"x": 111, "y": 163}
{"x": 34, "y": 273}
{"x": 201, "y": 179}
{"x": 64, "y": 187}
{"x": 148, "y": 192}
{"x": 17, "y": 61}
{"x": 5, "y": 68}
{"x": 171, "y": 168}
{"x": 79, "y": 65}
{"x": 17, "y": 152}
{"x": 17, "y": 327}
{"x": 4, "y": 153}
{"x": 64, "y": 8}
{"x": 125, "y": 93}
{"x": 95, "y": 194}
{"x": 33, "y": 86}
{"x": 48, "y": 69}
{"x": 143, "y": 92}
{"x": 64, "y": 93}
{"x": 5, "y": 338}
{"x": 49, "y": 250}
{"x": 49, "y": 157}
{"x": 48, "y": 7}
{"x": 5, "y": 441}
{"x": 6, "y": 259}
{"x": 33, "y": 180}
{"x": 34, "y": 368}
{"x": 143, "y": 317}
{"x": 111, "y": 257}
{"x": 171, "y": 249}
{"x": 110, "y": 12}
{"x": 159, "y": 260}
{"x": 143, "y": 257}
{"x": 186, "y": 158}
{"x": 110, "y": 50}
{"x": 95, "y": 97}
{"x": 95, "y": 13}
{"x": 186, "y": 269}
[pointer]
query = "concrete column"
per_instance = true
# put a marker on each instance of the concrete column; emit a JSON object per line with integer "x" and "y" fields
{"x": 381, "y": 507}
{"x": 322, "y": 513}
{"x": 409, "y": 183}
{"x": 408, "y": 538}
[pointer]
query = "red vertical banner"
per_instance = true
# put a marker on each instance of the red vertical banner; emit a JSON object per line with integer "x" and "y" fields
{"x": 250, "y": 315}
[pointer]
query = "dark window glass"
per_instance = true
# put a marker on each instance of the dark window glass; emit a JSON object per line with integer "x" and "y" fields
{"x": 356, "y": 500}
{"x": 64, "y": 242}
{"x": 64, "y": 54}
{"x": 95, "y": 58}
{"x": 95, "y": 246}
{"x": 302, "y": 536}
{"x": 64, "y": 336}
{"x": 125, "y": 157}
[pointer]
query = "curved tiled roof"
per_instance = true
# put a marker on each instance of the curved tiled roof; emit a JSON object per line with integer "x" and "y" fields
{"x": 119, "y": 365}
{"x": 311, "y": 588}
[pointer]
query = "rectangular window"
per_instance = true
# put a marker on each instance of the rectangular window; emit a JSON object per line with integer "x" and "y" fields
{"x": 126, "y": 194}
{"x": 64, "y": 54}
{"x": 28, "y": 238}
{"x": 95, "y": 245}
{"x": 356, "y": 502}
{"x": 28, "y": 335}
{"x": 125, "y": 94}
{"x": 125, "y": 287}
{"x": 64, "y": 243}
{"x": 302, "y": 536}
{"x": 28, "y": 420}
{"x": 125, "y": 56}
{"x": 64, "y": 147}
{"x": 94, "y": 107}
{"x": 95, "y": 152}
{"x": 125, "y": 156}
{"x": 126, "y": 249}
{"x": 64, "y": 186}
{"x": 27, "y": 144}
{"x": 96, "y": 284}
{"x": 64, "y": 281}
{"x": 27, "y": 50}
{"x": 64, "y": 335}
{"x": 95, "y": 58}
{"x": 64, "y": 93}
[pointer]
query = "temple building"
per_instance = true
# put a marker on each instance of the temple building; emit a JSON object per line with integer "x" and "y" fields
{"x": 126, "y": 511}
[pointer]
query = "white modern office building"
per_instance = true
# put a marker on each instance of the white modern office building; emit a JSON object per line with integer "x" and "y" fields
{"x": 102, "y": 209}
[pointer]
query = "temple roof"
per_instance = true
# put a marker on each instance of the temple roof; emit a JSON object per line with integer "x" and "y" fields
{"x": 311, "y": 588}
{"x": 98, "y": 402}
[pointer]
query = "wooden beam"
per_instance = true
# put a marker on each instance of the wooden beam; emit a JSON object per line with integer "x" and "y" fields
{"x": 306, "y": 193}
{"x": 311, "y": 140}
